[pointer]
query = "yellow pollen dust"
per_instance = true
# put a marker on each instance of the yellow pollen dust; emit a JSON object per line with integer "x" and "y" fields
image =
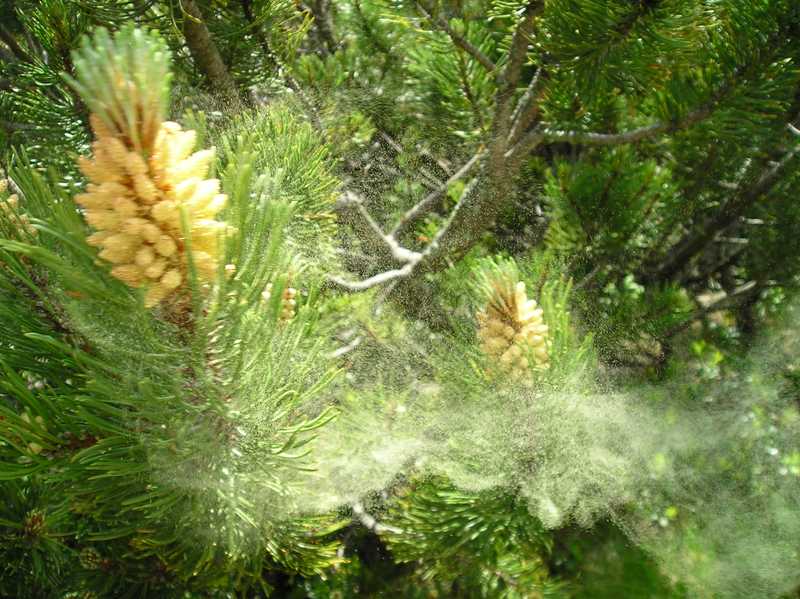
{"x": 135, "y": 203}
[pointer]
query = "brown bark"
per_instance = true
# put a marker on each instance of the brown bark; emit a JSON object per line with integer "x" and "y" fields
{"x": 204, "y": 52}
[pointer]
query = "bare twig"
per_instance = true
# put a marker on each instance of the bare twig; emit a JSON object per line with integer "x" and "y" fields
{"x": 454, "y": 236}
{"x": 443, "y": 244}
{"x": 458, "y": 40}
{"x": 527, "y": 108}
{"x": 610, "y": 139}
{"x": 697, "y": 239}
{"x": 375, "y": 280}
{"x": 428, "y": 176}
{"x": 428, "y": 202}
{"x": 407, "y": 257}
{"x": 345, "y": 349}
{"x": 590, "y": 277}
{"x": 399, "y": 253}
{"x": 446, "y": 167}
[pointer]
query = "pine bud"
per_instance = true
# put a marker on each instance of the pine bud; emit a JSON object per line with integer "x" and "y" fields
{"x": 512, "y": 332}
{"x": 90, "y": 558}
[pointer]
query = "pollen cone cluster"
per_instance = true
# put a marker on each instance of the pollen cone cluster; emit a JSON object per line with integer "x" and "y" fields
{"x": 148, "y": 197}
{"x": 135, "y": 201}
{"x": 512, "y": 331}
{"x": 288, "y": 302}
{"x": 9, "y": 211}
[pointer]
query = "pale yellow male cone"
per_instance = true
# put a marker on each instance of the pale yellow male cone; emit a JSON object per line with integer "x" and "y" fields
{"x": 512, "y": 332}
{"x": 288, "y": 302}
{"x": 149, "y": 199}
{"x": 9, "y": 207}
{"x": 135, "y": 204}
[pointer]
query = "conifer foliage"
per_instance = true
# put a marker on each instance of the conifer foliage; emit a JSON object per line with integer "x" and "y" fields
{"x": 412, "y": 298}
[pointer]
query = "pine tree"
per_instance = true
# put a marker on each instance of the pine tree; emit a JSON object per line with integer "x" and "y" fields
{"x": 457, "y": 281}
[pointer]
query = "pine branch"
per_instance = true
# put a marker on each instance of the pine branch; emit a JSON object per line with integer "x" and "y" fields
{"x": 457, "y": 39}
{"x": 398, "y": 252}
{"x": 698, "y": 239}
{"x": 527, "y": 108}
{"x": 482, "y": 200}
{"x": 503, "y": 120}
{"x": 16, "y": 49}
{"x": 429, "y": 178}
{"x": 519, "y": 43}
{"x": 370, "y": 522}
{"x": 375, "y": 280}
{"x": 534, "y": 137}
{"x": 455, "y": 235}
{"x": 476, "y": 208}
{"x": 387, "y": 243}
{"x": 427, "y": 204}
{"x": 632, "y": 136}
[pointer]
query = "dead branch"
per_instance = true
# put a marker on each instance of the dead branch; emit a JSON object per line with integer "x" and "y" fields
{"x": 428, "y": 202}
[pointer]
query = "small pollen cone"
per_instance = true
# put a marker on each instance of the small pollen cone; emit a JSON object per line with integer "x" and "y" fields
{"x": 512, "y": 332}
{"x": 136, "y": 205}
{"x": 149, "y": 197}
{"x": 288, "y": 302}
{"x": 10, "y": 213}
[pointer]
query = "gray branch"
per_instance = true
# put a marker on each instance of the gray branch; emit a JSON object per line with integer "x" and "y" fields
{"x": 697, "y": 239}
{"x": 527, "y": 108}
{"x": 398, "y": 252}
{"x": 370, "y": 522}
{"x": 428, "y": 202}
{"x": 407, "y": 257}
{"x": 375, "y": 280}
{"x": 520, "y": 42}
{"x": 626, "y": 137}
